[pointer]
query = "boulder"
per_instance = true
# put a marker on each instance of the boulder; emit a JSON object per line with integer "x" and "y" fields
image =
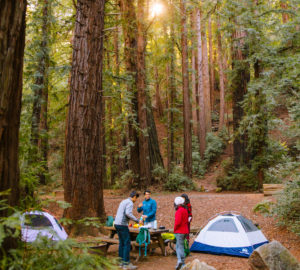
{"x": 197, "y": 265}
{"x": 273, "y": 256}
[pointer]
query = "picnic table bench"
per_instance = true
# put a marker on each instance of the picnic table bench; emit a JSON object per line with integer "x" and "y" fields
{"x": 155, "y": 235}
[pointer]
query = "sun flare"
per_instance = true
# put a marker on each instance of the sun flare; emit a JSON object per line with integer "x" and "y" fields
{"x": 156, "y": 9}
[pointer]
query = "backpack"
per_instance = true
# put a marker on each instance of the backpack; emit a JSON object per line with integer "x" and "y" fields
{"x": 143, "y": 238}
{"x": 109, "y": 221}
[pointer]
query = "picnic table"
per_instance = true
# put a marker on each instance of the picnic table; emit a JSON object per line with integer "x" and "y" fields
{"x": 155, "y": 235}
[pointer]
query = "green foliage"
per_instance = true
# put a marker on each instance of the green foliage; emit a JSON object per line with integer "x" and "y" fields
{"x": 46, "y": 254}
{"x": 242, "y": 178}
{"x": 214, "y": 148}
{"x": 287, "y": 208}
{"x": 264, "y": 207}
{"x": 177, "y": 181}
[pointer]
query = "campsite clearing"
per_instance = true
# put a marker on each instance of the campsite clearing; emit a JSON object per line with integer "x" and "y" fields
{"x": 205, "y": 205}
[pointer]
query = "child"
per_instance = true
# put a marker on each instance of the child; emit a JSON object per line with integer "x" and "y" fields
{"x": 190, "y": 216}
{"x": 180, "y": 230}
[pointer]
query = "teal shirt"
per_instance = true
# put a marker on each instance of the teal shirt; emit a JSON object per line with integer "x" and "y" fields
{"x": 149, "y": 209}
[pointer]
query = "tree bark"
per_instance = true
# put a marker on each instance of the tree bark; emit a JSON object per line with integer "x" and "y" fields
{"x": 206, "y": 84}
{"x": 43, "y": 125}
{"x": 84, "y": 163}
{"x": 202, "y": 118}
{"x": 159, "y": 106}
{"x": 187, "y": 163}
{"x": 211, "y": 65}
{"x": 130, "y": 32}
{"x": 221, "y": 82}
{"x": 172, "y": 94}
{"x": 239, "y": 89}
{"x": 12, "y": 32}
{"x": 195, "y": 93}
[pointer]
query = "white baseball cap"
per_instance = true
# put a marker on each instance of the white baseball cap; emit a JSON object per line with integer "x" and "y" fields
{"x": 179, "y": 200}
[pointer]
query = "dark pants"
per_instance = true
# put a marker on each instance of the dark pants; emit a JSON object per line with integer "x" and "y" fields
{"x": 124, "y": 242}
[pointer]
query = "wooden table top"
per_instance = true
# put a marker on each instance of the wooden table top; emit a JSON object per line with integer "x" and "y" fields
{"x": 136, "y": 230}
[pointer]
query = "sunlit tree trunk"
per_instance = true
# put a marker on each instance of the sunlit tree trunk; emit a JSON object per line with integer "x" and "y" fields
{"x": 159, "y": 106}
{"x": 221, "y": 81}
{"x": 202, "y": 118}
{"x": 145, "y": 174}
{"x": 121, "y": 165}
{"x": 206, "y": 84}
{"x": 84, "y": 164}
{"x": 12, "y": 33}
{"x": 211, "y": 65}
{"x": 195, "y": 95}
{"x": 43, "y": 125}
{"x": 130, "y": 48}
{"x": 187, "y": 163}
{"x": 172, "y": 94}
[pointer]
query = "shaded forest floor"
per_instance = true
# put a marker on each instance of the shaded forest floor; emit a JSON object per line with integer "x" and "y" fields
{"x": 205, "y": 205}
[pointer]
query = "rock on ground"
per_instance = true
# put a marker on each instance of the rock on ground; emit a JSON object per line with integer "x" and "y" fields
{"x": 197, "y": 265}
{"x": 273, "y": 256}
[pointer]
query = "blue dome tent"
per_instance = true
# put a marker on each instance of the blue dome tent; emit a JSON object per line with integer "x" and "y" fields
{"x": 229, "y": 233}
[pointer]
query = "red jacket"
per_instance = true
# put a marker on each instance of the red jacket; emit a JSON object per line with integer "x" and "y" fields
{"x": 181, "y": 221}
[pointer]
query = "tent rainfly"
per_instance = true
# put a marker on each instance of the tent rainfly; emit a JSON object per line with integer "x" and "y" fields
{"x": 231, "y": 234}
{"x": 38, "y": 223}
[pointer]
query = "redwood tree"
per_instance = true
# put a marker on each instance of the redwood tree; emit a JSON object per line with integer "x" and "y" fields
{"x": 187, "y": 148}
{"x": 83, "y": 167}
{"x": 12, "y": 32}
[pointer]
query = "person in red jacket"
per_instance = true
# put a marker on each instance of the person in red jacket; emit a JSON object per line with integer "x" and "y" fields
{"x": 180, "y": 230}
{"x": 188, "y": 206}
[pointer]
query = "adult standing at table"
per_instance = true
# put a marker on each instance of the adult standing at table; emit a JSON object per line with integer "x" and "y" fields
{"x": 124, "y": 214}
{"x": 148, "y": 207}
{"x": 180, "y": 230}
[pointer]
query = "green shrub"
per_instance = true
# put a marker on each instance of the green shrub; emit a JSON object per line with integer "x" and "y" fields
{"x": 287, "y": 208}
{"x": 178, "y": 182}
{"x": 46, "y": 254}
{"x": 214, "y": 148}
{"x": 242, "y": 178}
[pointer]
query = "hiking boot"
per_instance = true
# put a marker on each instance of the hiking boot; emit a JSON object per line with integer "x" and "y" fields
{"x": 178, "y": 266}
{"x": 129, "y": 266}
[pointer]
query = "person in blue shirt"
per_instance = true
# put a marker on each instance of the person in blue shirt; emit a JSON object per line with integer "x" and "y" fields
{"x": 148, "y": 207}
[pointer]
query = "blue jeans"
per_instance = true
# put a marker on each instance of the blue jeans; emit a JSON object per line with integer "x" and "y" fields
{"x": 124, "y": 242}
{"x": 180, "y": 247}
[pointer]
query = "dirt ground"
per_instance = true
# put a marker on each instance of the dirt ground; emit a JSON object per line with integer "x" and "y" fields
{"x": 204, "y": 206}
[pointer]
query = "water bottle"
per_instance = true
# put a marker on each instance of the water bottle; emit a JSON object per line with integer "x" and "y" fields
{"x": 155, "y": 225}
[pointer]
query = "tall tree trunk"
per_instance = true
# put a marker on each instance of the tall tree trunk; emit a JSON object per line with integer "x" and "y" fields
{"x": 159, "y": 106}
{"x": 195, "y": 93}
{"x": 84, "y": 164}
{"x": 145, "y": 176}
{"x": 130, "y": 32}
{"x": 239, "y": 89}
{"x": 211, "y": 65}
{"x": 187, "y": 163}
{"x": 221, "y": 82}
{"x": 206, "y": 84}
{"x": 172, "y": 94}
{"x": 43, "y": 125}
{"x": 202, "y": 118}
{"x": 12, "y": 32}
